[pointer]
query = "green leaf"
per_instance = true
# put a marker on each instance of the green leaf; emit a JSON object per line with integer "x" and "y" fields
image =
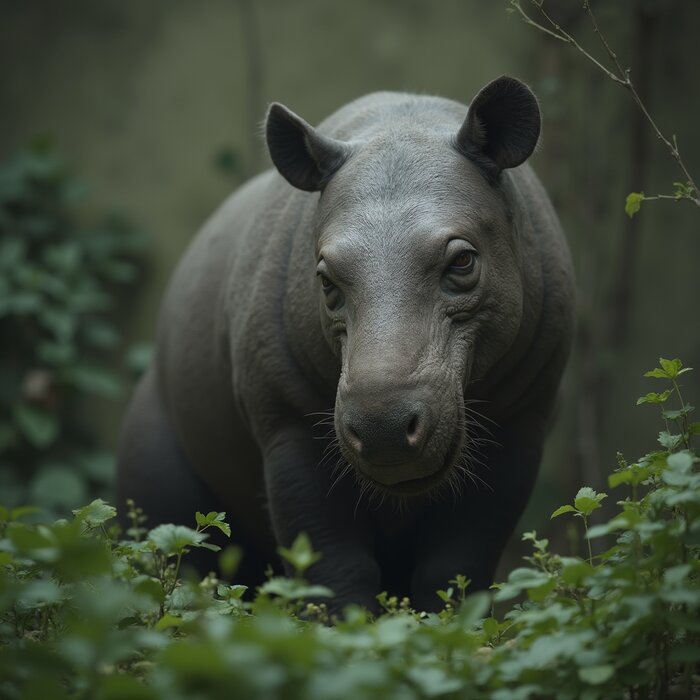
{"x": 679, "y": 413}
{"x": 596, "y": 675}
{"x": 671, "y": 367}
{"x": 38, "y": 427}
{"x": 213, "y": 519}
{"x": 293, "y": 589}
{"x": 300, "y": 555}
{"x": 669, "y": 441}
{"x": 491, "y": 627}
{"x": 174, "y": 539}
{"x": 634, "y": 474}
{"x": 168, "y": 621}
{"x": 654, "y": 397}
{"x": 445, "y": 596}
{"x": 587, "y": 500}
{"x": 561, "y": 510}
{"x": 96, "y": 513}
{"x": 151, "y": 588}
{"x": 680, "y": 462}
{"x": 575, "y": 570}
{"x": 675, "y": 575}
{"x": 633, "y": 203}
{"x": 231, "y": 592}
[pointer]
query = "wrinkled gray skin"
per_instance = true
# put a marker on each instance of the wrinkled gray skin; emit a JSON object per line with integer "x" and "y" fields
{"x": 406, "y": 284}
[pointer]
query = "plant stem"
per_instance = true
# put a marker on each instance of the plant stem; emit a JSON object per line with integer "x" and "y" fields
{"x": 622, "y": 77}
{"x": 684, "y": 417}
{"x": 588, "y": 542}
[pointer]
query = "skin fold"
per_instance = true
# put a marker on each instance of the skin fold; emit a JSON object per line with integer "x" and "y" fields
{"x": 365, "y": 344}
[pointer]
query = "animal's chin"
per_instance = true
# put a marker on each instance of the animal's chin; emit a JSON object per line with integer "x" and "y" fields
{"x": 418, "y": 485}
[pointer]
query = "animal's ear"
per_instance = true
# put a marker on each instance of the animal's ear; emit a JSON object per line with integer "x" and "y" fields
{"x": 305, "y": 158}
{"x": 502, "y": 124}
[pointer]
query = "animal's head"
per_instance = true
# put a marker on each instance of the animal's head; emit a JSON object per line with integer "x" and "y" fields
{"x": 419, "y": 277}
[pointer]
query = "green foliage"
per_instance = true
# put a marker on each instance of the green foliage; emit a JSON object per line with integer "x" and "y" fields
{"x": 59, "y": 279}
{"x": 87, "y": 613}
{"x": 633, "y": 203}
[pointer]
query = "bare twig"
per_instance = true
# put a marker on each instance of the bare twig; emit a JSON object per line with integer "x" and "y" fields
{"x": 620, "y": 75}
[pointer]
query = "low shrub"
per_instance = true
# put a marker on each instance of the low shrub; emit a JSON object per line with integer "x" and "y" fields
{"x": 62, "y": 281}
{"x": 86, "y": 612}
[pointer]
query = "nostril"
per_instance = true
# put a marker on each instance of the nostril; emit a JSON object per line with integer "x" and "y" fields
{"x": 412, "y": 427}
{"x": 353, "y": 438}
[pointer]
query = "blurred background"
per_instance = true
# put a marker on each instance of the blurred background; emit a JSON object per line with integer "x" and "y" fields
{"x": 124, "y": 124}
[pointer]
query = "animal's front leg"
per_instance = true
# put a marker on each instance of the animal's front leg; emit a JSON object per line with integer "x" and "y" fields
{"x": 299, "y": 501}
{"x": 469, "y": 536}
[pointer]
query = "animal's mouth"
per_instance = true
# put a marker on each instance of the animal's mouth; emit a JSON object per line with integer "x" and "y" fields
{"x": 423, "y": 484}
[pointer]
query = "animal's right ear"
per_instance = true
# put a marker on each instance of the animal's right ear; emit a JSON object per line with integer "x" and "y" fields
{"x": 305, "y": 158}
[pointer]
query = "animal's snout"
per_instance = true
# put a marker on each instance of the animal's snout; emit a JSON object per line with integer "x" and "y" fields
{"x": 391, "y": 432}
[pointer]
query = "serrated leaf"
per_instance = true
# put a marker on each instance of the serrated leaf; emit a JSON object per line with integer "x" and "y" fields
{"x": 231, "y": 592}
{"x": 95, "y": 513}
{"x": 669, "y": 441}
{"x": 654, "y": 397}
{"x": 671, "y": 367}
{"x": 561, "y": 510}
{"x": 587, "y": 500}
{"x": 174, "y": 539}
{"x": 213, "y": 519}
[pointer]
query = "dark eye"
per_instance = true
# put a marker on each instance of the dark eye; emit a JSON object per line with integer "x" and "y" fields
{"x": 463, "y": 262}
{"x": 326, "y": 284}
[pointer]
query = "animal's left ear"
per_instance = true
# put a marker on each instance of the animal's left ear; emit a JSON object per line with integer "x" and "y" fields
{"x": 502, "y": 124}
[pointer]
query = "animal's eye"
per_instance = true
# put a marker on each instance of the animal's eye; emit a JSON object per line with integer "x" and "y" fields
{"x": 326, "y": 284}
{"x": 463, "y": 262}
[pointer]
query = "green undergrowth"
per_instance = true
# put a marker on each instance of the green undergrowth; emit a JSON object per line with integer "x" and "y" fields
{"x": 89, "y": 612}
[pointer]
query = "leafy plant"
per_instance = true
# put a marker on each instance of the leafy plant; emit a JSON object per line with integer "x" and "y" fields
{"x": 85, "y": 613}
{"x": 59, "y": 283}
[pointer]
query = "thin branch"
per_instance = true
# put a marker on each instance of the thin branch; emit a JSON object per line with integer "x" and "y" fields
{"x": 622, "y": 77}
{"x": 561, "y": 34}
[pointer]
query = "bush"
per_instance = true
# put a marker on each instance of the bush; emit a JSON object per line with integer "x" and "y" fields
{"x": 59, "y": 281}
{"x": 84, "y": 613}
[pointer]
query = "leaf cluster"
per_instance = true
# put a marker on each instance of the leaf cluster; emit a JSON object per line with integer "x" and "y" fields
{"x": 86, "y": 611}
{"x": 60, "y": 279}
